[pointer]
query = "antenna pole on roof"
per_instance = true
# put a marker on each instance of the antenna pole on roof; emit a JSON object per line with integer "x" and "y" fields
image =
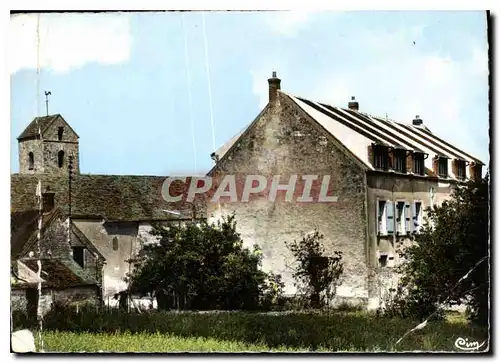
{"x": 47, "y": 93}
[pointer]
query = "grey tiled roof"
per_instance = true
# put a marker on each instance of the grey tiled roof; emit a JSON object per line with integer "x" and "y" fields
{"x": 111, "y": 197}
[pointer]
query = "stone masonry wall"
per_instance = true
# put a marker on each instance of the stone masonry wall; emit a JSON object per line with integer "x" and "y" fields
{"x": 46, "y": 152}
{"x": 102, "y": 235}
{"x": 36, "y": 147}
{"x": 284, "y": 142}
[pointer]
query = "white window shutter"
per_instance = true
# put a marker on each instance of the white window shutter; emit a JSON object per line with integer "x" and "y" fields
{"x": 378, "y": 214}
{"x": 418, "y": 212}
{"x": 407, "y": 218}
{"x": 389, "y": 212}
{"x": 381, "y": 222}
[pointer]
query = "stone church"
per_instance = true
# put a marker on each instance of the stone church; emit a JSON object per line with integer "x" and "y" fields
{"x": 110, "y": 217}
{"x": 382, "y": 173}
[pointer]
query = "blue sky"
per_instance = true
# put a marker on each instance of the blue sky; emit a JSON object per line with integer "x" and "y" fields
{"x": 120, "y": 80}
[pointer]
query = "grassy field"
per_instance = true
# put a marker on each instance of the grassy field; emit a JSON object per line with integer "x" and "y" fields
{"x": 239, "y": 332}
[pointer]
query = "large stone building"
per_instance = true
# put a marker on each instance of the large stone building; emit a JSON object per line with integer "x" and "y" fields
{"x": 382, "y": 173}
{"x": 110, "y": 214}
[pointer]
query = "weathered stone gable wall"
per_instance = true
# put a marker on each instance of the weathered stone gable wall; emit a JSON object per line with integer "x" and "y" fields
{"x": 102, "y": 235}
{"x": 284, "y": 142}
{"x": 54, "y": 241}
{"x": 52, "y": 133}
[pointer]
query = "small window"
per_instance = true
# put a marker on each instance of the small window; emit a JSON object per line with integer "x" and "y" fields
{"x": 416, "y": 216}
{"x": 382, "y": 260}
{"x": 115, "y": 244}
{"x": 60, "y": 158}
{"x": 461, "y": 169}
{"x": 60, "y": 131}
{"x": 418, "y": 163}
{"x": 78, "y": 256}
{"x": 31, "y": 161}
{"x": 380, "y": 157}
{"x": 400, "y": 161}
{"x": 443, "y": 167}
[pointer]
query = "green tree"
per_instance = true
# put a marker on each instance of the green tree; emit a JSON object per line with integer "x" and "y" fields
{"x": 199, "y": 266}
{"x": 316, "y": 275}
{"x": 453, "y": 239}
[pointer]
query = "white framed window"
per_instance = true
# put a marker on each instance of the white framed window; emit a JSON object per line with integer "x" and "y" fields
{"x": 385, "y": 217}
{"x": 416, "y": 212}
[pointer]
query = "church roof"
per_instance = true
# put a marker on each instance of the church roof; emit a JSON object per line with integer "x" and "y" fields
{"x": 110, "y": 197}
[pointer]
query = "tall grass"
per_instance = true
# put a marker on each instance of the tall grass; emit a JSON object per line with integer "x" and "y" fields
{"x": 326, "y": 331}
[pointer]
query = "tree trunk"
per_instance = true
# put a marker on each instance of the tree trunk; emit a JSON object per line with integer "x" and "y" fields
{"x": 315, "y": 300}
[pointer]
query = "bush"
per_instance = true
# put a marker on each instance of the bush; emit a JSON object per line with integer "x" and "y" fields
{"x": 200, "y": 267}
{"x": 448, "y": 263}
{"x": 316, "y": 275}
{"x": 272, "y": 294}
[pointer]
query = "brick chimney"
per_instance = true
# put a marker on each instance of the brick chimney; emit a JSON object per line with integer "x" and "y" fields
{"x": 417, "y": 121}
{"x": 274, "y": 86}
{"x": 353, "y": 104}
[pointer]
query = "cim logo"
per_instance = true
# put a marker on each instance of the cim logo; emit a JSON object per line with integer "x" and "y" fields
{"x": 243, "y": 188}
{"x": 465, "y": 344}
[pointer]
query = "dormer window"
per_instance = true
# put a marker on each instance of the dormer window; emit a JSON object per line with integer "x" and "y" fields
{"x": 418, "y": 163}
{"x": 60, "y": 158}
{"x": 380, "y": 157}
{"x": 79, "y": 256}
{"x": 475, "y": 171}
{"x": 399, "y": 160}
{"x": 60, "y": 131}
{"x": 442, "y": 166}
{"x": 460, "y": 169}
{"x": 31, "y": 161}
